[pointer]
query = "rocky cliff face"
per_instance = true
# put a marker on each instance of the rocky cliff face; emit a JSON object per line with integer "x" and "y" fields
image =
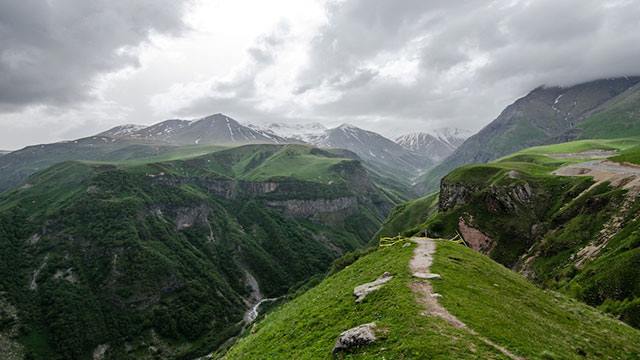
{"x": 496, "y": 219}
{"x": 565, "y": 233}
{"x": 313, "y": 208}
{"x": 497, "y": 198}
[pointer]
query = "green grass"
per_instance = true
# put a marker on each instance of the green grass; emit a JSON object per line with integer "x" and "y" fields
{"x": 407, "y": 218}
{"x": 514, "y": 313}
{"x": 631, "y": 155}
{"x": 618, "y": 120}
{"x": 307, "y": 327}
{"x": 495, "y": 302}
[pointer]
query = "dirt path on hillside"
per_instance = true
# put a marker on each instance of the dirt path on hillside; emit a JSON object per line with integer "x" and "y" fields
{"x": 622, "y": 175}
{"x": 420, "y": 266}
{"x": 589, "y": 154}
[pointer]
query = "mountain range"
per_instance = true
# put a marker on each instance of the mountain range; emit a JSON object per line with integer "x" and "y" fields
{"x": 126, "y": 142}
{"x": 216, "y": 129}
{"x": 438, "y": 144}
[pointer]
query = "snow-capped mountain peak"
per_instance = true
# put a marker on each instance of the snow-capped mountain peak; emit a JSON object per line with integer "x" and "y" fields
{"x": 122, "y": 130}
{"x": 437, "y": 144}
{"x": 304, "y": 132}
{"x": 452, "y": 136}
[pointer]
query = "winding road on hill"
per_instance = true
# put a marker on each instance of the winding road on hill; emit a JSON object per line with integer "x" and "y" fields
{"x": 420, "y": 266}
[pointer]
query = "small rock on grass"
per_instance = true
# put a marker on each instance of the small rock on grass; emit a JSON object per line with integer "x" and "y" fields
{"x": 361, "y": 291}
{"x": 356, "y": 337}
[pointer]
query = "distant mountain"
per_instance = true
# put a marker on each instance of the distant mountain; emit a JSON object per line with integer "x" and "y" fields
{"x": 301, "y": 132}
{"x": 215, "y": 129}
{"x": 122, "y": 131}
{"x": 383, "y": 154}
{"x": 391, "y": 161}
{"x": 549, "y": 115}
{"x": 4, "y": 152}
{"x": 436, "y": 145}
{"x": 452, "y": 136}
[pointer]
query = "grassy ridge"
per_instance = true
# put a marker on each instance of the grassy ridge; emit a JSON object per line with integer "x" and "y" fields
{"x": 495, "y": 302}
{"x": 510, "y": 311}
{"x": 407, "y": 218}
{"x": 307, "y": 327}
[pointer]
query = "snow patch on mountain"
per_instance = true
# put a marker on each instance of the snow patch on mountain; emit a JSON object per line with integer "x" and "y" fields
{"x": 437, "y": 144}
{"x": 301, "y": 132}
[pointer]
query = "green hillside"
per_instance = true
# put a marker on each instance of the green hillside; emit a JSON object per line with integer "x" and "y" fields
{"x": 497, "y": 304}
{"x": 161, "y": 260}
{"x": 408, "y": 217}
{"x": 618, "y": 119}
{"x": 547, "y": 226}
{"x": 17, "y": 166}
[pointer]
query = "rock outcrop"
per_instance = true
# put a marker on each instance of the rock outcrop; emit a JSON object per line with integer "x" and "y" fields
{"x": 356, "y": 337}
{"x": 361, "y": 291}
{"x": 309, "y": 208}
{"x": 475, "y": 238}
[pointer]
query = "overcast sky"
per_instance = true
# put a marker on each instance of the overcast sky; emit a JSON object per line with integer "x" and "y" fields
{"x": 71, "y": 68}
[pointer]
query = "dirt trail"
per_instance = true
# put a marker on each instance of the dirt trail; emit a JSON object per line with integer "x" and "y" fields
{"x": 622, "y": 175}
{"x": 420, "y": 266}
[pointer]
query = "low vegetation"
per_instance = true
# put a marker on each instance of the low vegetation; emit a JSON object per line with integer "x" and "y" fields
{"x": 498, "y": 304}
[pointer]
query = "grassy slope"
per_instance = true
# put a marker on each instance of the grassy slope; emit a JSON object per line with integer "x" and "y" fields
{"x": 19, "y": 165}
{"x": 509, "y": 310}
{"x": 618, "y": 119}
{"x": 490, "y": 299}
{"x": 307, "y": 327}
{"x": 407, "y": 217}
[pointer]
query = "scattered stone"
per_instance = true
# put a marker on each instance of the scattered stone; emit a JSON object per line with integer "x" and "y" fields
{"x": 406, "y": 245}
{"x": 100, "y": 351}
{"x": 436, "y": 295}
{"x": 34, "y": 239}
{"x": 361, "y": 291}
{"x": 427, "y": 276}
{"x": 356, "y": 337}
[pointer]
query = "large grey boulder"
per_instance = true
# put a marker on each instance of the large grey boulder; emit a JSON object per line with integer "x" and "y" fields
{"x": 356, "y": 337}
{"x": 361, "y": 291}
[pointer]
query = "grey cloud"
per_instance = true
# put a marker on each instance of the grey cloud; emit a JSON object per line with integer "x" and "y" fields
{"x": 52, "y": 50}
{"x": 474, "y": 58}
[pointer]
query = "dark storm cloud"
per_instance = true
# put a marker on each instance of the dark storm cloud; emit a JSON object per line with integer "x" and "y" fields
{"x": 52, "y": 50}
{"x": 472, "y": 54}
